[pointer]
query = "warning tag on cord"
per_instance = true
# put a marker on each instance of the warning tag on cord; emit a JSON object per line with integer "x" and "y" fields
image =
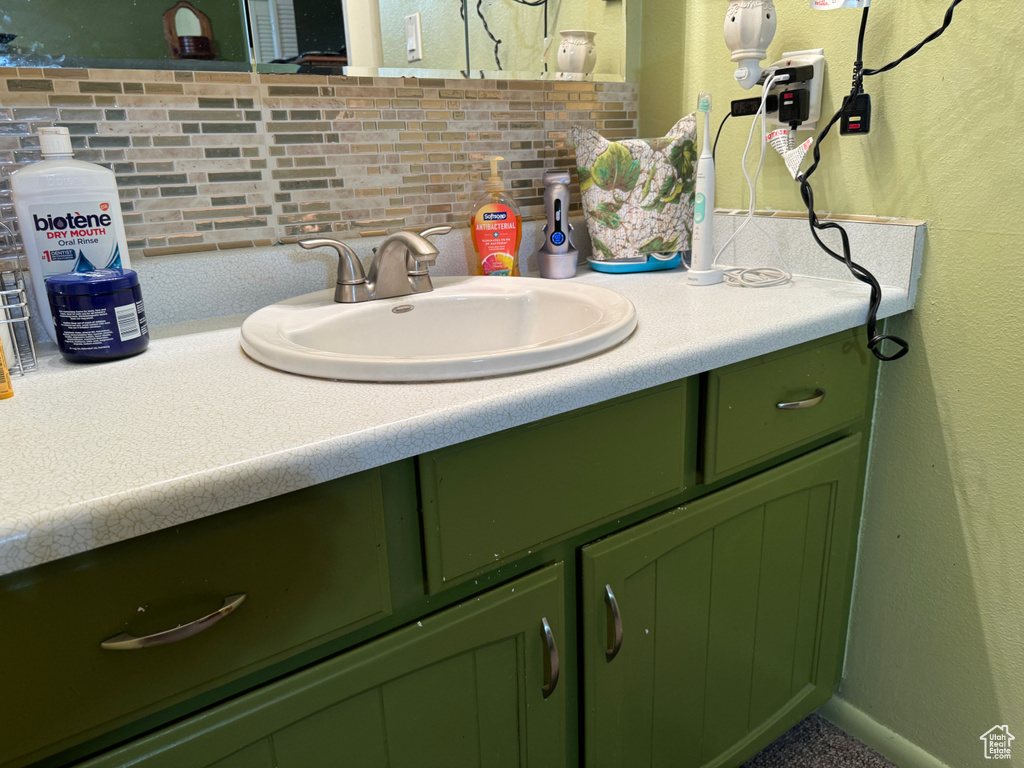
{"x": 831, "y": 5}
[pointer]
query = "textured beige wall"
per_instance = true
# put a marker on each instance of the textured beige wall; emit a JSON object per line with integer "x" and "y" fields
{"x": 519, "y": 27}
{"x": 936, "y": 649}
{"x": 662, "y": 52}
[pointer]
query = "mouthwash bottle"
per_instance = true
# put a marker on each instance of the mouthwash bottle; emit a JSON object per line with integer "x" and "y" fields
{"x": 69, "y": 214}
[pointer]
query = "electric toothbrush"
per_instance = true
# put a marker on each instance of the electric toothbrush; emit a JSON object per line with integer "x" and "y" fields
{"x": 702, "y": 256}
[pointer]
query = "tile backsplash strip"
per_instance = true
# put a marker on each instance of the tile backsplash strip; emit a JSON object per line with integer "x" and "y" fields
{"x": 212, "y": 161}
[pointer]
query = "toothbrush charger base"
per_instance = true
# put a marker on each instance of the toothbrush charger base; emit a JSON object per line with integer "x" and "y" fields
{"x": 557, "y": 266}
{"x": 651, "y": 265}
{"x": 704, "y": 276}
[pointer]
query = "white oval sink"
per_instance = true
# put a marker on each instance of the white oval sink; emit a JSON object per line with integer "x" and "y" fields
{"x": 466, "y": 328}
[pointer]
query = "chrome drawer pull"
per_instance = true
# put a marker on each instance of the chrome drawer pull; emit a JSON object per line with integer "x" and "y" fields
{"x": 819, "y": 395}
{"x": 125, "y": 642}
{"x": 551, "y": 673}
{"x": 614, "y": 624}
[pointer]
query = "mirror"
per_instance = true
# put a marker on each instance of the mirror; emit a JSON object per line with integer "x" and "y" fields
{"x": 477, "y": 38}
{"x": 108, "y": 34}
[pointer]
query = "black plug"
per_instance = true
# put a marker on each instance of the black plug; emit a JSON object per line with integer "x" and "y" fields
{"x": 794, "y": 107}
{"x": 746, "y": 107}
{"x": 856, "y": 117}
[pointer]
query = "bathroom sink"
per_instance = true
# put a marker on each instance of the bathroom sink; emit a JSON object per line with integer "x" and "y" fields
{"x": 466, "y": 328}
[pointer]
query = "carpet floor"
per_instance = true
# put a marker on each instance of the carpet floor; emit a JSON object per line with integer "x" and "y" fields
{"x": 816, "y": 743}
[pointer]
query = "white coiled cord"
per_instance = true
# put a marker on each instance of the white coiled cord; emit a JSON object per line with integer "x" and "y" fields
{"x": 756, "y": 277}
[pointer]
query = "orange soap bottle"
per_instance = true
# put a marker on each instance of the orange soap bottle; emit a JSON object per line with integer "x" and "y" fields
{"x": 5, "y": 377}
{"x": 497, "y": 229}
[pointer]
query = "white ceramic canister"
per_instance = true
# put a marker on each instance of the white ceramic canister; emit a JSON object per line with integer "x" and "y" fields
{"x": 577, "y": 52}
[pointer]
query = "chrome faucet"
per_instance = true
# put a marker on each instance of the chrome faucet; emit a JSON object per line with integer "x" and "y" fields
{"x": 399, "y": 266}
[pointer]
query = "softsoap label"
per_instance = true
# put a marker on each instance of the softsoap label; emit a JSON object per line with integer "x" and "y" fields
{"x": 76, "y": 238}
{"x": 495, "y": 231}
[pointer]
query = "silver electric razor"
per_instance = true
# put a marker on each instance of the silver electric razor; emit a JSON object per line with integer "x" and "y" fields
{"x": 557, "y": 257}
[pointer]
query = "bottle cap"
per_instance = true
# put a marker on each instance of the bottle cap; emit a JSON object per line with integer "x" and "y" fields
{"x": 55, "y": 141}
{"x": 91, "y": 283}
{"x": 494, "y": 183}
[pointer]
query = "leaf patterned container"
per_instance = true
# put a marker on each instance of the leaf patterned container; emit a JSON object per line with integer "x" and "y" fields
{"x": 638, "y": 193}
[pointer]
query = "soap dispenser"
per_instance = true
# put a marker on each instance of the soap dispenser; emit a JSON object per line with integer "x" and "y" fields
{"x": 497, "y": 229}
{"x": 557, "y": 257}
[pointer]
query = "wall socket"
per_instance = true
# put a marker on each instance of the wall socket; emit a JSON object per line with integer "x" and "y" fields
{"x": 814, "y": 57}
{"x": 413, "y": 38}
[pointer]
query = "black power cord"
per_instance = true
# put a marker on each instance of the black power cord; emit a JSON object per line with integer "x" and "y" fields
{"x": 497, "y": 41}
{"x": 718, "y": 135}
{"x": 534, "y": 4}
{"x": 875, "y": 339}
{"x": 487, "y": 29}
{"x": 946, "y": 21}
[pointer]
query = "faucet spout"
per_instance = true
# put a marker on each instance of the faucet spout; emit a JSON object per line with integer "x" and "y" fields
{"x": 390, "y": 271}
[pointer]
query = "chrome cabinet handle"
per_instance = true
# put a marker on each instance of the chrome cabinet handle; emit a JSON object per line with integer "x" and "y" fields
{"x": 125, "y": 642}
{"x": 551, "y": 673}
{"x": 819, "y": 395}
{"x": 614, "y": 624}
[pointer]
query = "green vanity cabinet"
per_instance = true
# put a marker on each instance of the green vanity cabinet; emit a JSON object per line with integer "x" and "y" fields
{"x": 712, "y": 628}
{"x": 385, "y": 626}
{"x": 477, "y": 684}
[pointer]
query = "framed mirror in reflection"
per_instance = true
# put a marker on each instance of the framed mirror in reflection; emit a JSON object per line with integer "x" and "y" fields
{"x": 112, "y": 34}
{"x": 457, "y": 38}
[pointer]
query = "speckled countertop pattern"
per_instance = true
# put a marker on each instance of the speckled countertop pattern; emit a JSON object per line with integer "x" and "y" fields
{"x": 193, "y": 427}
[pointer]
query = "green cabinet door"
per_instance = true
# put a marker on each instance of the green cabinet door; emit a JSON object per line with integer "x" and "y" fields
{"x": 731, "y": 613}
{"x": 465, "y": 687}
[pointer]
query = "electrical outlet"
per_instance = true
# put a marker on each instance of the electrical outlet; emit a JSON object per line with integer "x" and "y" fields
{"x": 413, "y": 38}
{"x": 815, "y": 58}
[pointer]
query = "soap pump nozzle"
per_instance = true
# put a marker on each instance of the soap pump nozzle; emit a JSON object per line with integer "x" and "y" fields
{"x": 495, "y": 182}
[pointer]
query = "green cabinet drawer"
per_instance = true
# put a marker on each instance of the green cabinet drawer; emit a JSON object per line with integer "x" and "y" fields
{"x": 312, "y": 564}
{"x": 744, "y": 424}
{"x": 493, "y": 499}
{"x": 469, "y": 686}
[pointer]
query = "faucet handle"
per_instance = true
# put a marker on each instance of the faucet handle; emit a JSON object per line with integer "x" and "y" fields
{"x": 440, "y": 229}
{"x": 416, "y": 264}
{"x": 350, "y": 269}
{"x": 351, "y": 278}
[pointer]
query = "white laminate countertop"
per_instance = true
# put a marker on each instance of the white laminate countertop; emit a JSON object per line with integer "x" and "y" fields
{"x": 95, "y": 454}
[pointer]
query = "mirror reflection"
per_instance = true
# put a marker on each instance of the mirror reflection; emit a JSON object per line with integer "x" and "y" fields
{"x": 111, "y": 34}
{"x": 517, "y": 38}
{"x": 429, "y": 38}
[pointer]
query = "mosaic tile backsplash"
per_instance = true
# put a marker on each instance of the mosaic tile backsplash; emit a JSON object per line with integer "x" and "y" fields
{"x": 211, "y": 161}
